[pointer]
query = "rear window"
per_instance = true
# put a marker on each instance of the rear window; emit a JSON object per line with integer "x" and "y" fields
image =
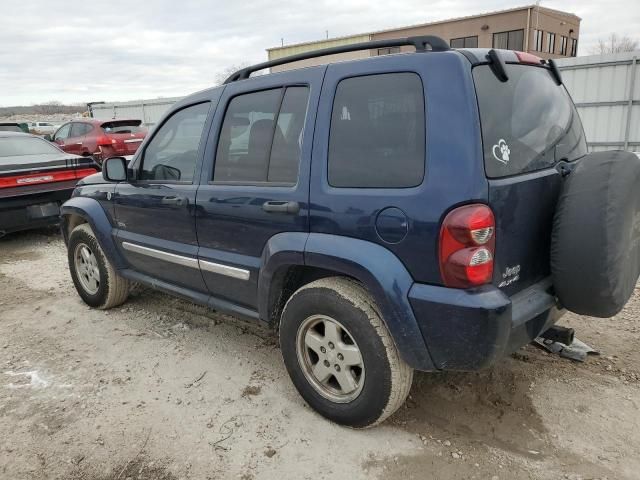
{"x": 10, "y": 128}
{"x": 123, "y": 126}
{"x": 528, "y": 122}
{"x": 18, "y": 146}
{"x": 377, "y": 137}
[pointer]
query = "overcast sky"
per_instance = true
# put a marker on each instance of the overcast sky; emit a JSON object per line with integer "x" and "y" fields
{"x": 80, "y": 51}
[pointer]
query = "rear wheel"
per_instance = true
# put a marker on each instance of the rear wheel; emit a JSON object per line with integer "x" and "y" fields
{"x": 340, "y": 355}
{"x": 94, "y": 277}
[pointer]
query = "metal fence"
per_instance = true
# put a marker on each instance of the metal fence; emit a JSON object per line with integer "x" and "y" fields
{"x": 606, "y": 90}
{"x": 149, "y": 111}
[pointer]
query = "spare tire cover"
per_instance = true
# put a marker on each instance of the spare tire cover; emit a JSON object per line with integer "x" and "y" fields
{"x": 595, "y": 244}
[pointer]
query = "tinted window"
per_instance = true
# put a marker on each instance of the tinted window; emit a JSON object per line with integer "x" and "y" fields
{"x": 528, "y": 123}
{"x": 172, "y": 153}
{"x": 79, "y": 129}
{"x": 261, "y": 137}
{"x": 377, "y": 136}
{"x": 16, "y": 146}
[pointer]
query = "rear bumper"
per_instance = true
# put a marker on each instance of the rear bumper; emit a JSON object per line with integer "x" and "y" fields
{"x": 34, "y": 210}
{"x": 471, "y": 329}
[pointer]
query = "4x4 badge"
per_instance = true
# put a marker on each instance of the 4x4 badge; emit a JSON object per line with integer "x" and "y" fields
{"x": 501, "y": 151}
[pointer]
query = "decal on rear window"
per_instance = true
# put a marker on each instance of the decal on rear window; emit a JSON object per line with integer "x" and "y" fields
{"x": 501, "y": 151}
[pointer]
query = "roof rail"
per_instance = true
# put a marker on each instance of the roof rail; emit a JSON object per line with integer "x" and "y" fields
{"x": 437, "y": 44}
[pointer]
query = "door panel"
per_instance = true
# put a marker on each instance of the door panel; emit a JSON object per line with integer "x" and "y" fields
{"x": 155, "y": 213}
{"x": 249, "y": 192}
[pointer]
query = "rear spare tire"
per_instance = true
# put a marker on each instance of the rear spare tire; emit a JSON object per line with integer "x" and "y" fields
{"x": 595, "y": 244}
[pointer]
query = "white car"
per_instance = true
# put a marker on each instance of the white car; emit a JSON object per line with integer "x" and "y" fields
{"x": 42, "y": 128}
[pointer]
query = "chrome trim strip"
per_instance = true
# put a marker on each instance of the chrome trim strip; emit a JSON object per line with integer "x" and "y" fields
{"x": 225, "y": 270}
{"x": 160, "y": 255}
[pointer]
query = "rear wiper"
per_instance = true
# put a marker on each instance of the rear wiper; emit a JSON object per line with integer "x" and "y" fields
{"x": 497, "y": 65}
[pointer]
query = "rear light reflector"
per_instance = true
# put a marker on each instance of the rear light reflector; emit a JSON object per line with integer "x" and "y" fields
{"x": 39, "y": 178}
{"x": 524, "y": 57}
{"x": 467, "y": 244}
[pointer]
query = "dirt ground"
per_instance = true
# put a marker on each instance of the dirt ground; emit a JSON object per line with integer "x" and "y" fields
{"x": 163, "y": 389}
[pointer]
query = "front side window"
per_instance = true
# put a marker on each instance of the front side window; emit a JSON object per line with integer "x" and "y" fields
{"x": 261, "y": 137}
{"x": 377, "y": 136}
{"x": 63, "y": 133}
{"x": 172, "y": 153}
{"x": 513, "y": 40}
{"x": 528, "y": 122}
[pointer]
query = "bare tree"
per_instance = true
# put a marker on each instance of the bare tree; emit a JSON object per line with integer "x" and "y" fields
{"x": 615, "y": 44}
{"x": 226, "y": 72}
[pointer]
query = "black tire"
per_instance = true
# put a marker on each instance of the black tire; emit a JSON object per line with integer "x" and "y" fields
{"x": 387, "y": 378}
{"x": 112, "y": 289}
{"x": 595, "y": 245}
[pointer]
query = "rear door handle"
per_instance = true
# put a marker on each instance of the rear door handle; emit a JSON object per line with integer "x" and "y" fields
{"x": 275, "y": 206}
{"x": 174, "y": 201}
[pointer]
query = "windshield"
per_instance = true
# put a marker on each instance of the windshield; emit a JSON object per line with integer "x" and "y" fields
{"x": 528, "y": 122}
{"x": 18, "y": 146}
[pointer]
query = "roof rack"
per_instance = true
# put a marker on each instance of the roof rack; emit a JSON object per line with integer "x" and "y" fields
{"x": 421, "y": 43}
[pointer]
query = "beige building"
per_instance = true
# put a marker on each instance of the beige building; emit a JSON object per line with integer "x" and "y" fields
{"x": 539, "y": 30}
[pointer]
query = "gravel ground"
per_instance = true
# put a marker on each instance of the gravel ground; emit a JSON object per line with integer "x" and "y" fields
{"x": 163, "y": 389}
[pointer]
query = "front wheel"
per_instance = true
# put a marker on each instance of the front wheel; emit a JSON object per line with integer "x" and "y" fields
{"x": 339, "y": 354}
{"x": 95, "y": 279}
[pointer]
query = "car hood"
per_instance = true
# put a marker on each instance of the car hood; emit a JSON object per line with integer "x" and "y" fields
{"x": 92, "y": 179}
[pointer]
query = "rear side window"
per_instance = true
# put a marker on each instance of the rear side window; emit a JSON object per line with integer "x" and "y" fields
{"x": 528, "y": 122}
{"x": 172, "y": 153}
{"x": 377, "y": 137}
{"x": 261, "y": 137}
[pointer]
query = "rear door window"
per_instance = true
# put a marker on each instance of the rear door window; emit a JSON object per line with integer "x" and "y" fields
{"x": 528, "y": 122}
{"x": 377, "y": 137}
{"x": 261, "y": 137}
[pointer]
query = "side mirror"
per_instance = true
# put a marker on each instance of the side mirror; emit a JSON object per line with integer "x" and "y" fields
{"x": 114, "y": 169}
{"x": 48, "y": 137}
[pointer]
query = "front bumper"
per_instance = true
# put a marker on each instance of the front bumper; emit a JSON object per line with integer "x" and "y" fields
{"x": 471, "y": 329}
{"x": 35, "y": 209}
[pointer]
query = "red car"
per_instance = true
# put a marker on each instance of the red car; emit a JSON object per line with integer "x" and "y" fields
{"x": 100, "y": 138}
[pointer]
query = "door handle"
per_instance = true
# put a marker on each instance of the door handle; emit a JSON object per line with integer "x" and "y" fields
{"x": 174, "y": 201}
{"x": 281, "y": 207}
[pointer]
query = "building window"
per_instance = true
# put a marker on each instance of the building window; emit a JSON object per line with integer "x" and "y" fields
{"x": 537, "y": 40}
{"x": 513, "y": 40}
{"x": 551, "y": 42}
{"x": 563, "y": 45}
{"x": 464, "y": 42}
{"x": 388, "y": 51}
{"x": 574, "y": 47}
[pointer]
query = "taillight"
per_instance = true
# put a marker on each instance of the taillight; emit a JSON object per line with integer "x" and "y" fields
{"x": 524, "y": 57}
{"x": 467, "y": 245}
{"x": 38, "y": 178}
{"x": 104, "y": 140}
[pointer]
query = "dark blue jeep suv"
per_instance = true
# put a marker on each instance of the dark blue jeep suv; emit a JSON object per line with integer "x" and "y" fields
{"x": 430, "y": 210}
